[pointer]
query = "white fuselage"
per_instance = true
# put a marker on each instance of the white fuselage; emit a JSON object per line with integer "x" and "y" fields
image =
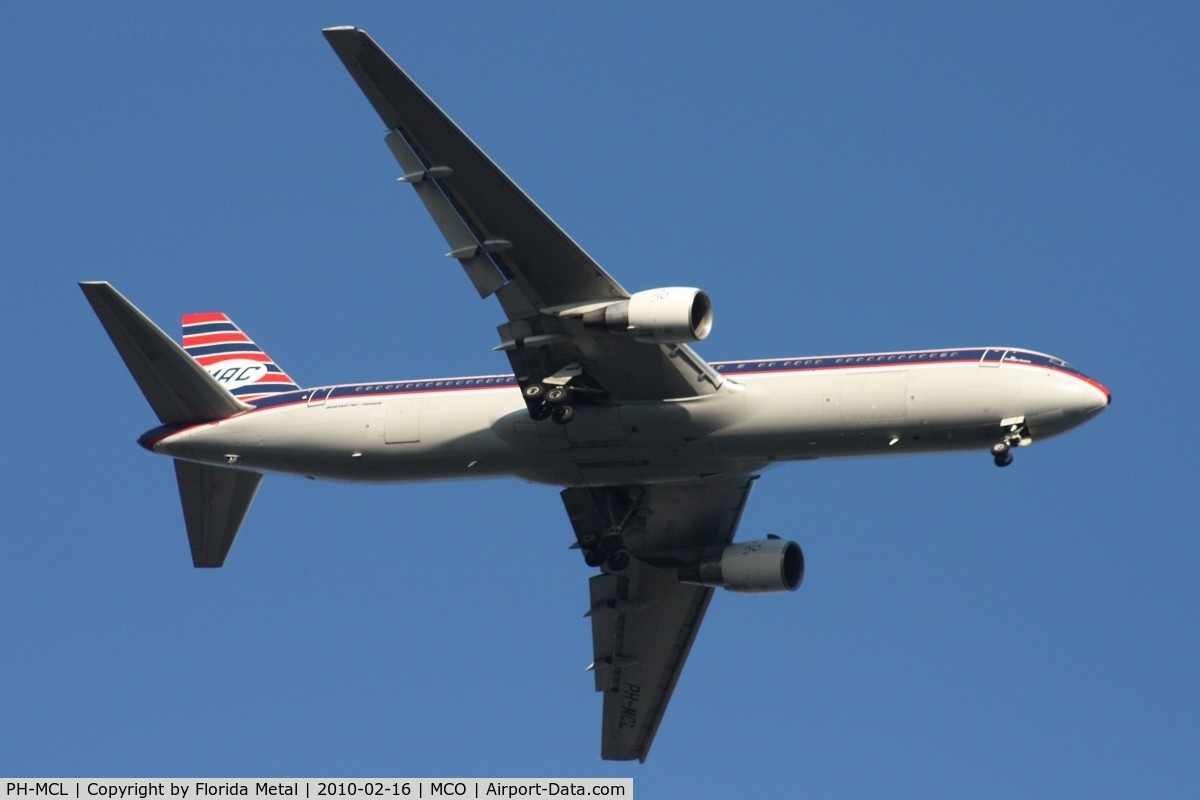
{"x": 775, "y": 410}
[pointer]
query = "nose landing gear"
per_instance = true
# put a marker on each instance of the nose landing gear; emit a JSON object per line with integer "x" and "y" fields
{"x": 1001, "y": 455}
{"x": 1016, "y": 434}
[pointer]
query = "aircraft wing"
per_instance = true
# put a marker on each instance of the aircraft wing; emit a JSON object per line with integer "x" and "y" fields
{"x": 644, "y": 619}
{"x": 508, "y": 246}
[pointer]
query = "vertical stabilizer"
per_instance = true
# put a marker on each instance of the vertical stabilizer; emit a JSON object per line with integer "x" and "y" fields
{"x": 229, "y": 355}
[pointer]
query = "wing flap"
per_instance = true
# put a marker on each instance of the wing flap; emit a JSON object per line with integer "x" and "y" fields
{"x": 644, "y": 622}
{"x": 464, "y": 246}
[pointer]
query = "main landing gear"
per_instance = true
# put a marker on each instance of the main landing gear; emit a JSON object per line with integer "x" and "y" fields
{"x": 606, "y": 551}
{"x": 556, "y": 396}
{"x": 1016, "y": 434}
{"x": 604, "y": 521}
{"x": 548, "y": 401}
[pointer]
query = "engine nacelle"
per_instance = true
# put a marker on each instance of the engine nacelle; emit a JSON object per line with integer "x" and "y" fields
{"x": 769, "y": 565}
{"x": 673, "y": 315}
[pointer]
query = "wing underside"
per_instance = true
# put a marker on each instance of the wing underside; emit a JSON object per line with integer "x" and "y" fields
{"x": 511, "y": 248}
{"x": 640, "y": 646}
{"x": 644, "y": 619}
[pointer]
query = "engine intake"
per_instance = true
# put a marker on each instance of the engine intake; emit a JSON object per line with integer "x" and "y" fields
{"x": 673, "y": 315}
{"x": 769, "y": 565}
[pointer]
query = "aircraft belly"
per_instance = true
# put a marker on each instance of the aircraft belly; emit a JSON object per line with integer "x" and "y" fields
{"x": 349, "y": 441}
{"x": 797, "y": 416}
{"x": 777, "y": 417}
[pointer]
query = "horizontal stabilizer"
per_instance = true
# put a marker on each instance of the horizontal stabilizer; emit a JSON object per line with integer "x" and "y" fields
{"x": 215, "y": 501}
{"x": 177, "y": 388}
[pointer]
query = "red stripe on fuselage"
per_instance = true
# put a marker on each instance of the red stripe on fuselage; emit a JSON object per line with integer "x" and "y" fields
{"x": 1090, "y": 382}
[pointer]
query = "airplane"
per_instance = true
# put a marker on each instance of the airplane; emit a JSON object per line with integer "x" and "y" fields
{"x": 655, "y": 449}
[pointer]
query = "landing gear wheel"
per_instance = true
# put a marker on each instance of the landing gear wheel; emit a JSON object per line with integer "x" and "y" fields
{"x": 563, "y": 414}
{"x": 1003, "y": 459}
{"x": 556, "y": 394}
{"x": 594, "y": 558}
{"x": 539, "y": 412}
{"x": 611, "y": 544}
{"x": 999, "y": 449}
{"x": 533, "y": 391}
{"x": 618, "y": 561}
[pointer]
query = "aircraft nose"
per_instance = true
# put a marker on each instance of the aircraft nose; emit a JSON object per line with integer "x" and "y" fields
{"x": 1104, "y": 399}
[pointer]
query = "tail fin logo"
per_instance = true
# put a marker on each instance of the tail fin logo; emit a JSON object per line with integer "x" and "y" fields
{"x": 235, "y": 373}
{"x": 232, "y": 358}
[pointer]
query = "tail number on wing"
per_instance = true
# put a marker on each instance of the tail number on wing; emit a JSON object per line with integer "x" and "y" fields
{"x": 632, "y": 695}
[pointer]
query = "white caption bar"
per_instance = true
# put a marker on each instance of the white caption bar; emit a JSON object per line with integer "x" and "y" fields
{"x": 207, "y": 788}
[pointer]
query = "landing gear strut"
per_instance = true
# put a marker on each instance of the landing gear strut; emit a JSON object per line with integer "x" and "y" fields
{"x": 1016, "y": 434}
{"x": 601, "y": 518}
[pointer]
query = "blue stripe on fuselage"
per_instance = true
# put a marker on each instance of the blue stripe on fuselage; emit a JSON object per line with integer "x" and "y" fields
{"x": 733, "y": 368}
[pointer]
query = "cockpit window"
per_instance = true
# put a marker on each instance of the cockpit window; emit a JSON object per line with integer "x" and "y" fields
{"x": 1058, "y": 362}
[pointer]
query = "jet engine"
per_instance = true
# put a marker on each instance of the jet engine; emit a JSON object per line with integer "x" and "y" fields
{"x": 673, "y": 315}
{"x": 770, "y": 565}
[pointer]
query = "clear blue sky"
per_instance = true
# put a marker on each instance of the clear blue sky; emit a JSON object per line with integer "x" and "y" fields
{"x": 840, "y": 178}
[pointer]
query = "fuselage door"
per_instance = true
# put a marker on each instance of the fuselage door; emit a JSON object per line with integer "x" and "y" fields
{"x": 402, "y": 420}
{"x": 319, "y": 396}
{"x": 992, "y": 357}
